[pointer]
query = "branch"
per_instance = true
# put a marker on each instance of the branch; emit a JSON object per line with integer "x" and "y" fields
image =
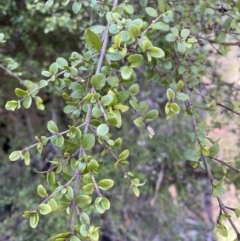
{"x": 158, "y": 184}
{"x": 217, "y": 103}
{"x": 154, "y": 21}
{"x": 51, "y": 137}
{"x": 223, "y": 43}
{"x": 58, "y": 190}
{"x": 223, "y": 208}
{"x": 225, "y": 164}
{"x": 96, "y": 185}
{"x": 87, "y": 124}
{"x": 13, "y": 75}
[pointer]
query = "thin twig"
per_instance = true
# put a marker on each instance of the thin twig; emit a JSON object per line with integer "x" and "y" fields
{"x": 58, "y": 190}
{"x": 13, "y": 75}
{"x": 221, "y": 43}
{"x": 96, "y": 185}
{"x": 217, "y": 103}
{"x": 225, "y": 164}
{"x": 148, "y": 28}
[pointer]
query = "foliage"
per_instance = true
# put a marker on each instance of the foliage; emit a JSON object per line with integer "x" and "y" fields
{"x": 99, "y": 84}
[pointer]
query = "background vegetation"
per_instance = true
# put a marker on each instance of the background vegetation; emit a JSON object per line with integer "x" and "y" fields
{"x": 176, "y": 201}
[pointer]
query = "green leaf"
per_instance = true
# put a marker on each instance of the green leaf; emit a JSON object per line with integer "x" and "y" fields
{"x": 94, "y": 236}
{"x": 88, "y": 189}
{"x": 122, "y": 96}
{"x": 161, "y": 6}
{"x": 53, "y": 204}
{"x": 143, "y": 3}
{"x": 88, "y": 141}
{"x": 14, "y": 156}
{"x": 59, "y": 141}
{"x": 27, "y": 158}
{"x": 43, "y": 83}
{"x": 192, "y": 155}
{"x": 134, "y": 89}
{"x": 93, "y": 41}
{"x": 115, "y": 56}
{"x": 105, "y": 203}
{"x": 214, "y": 149}
{"x": 27, "y": 102}
{"x": 222, "y": 230}
{"x": 180, "y": 85}
{"x": 182, "y": 96}
{"x": 113, "y": 81}
{"x": 170, "y": 94}
{"x": 11, "y": 105}
{"x": 46, "y": 74}
{"x": 221, "y": 38}
{"x": 209, "y": 11}
{"x": 84, "y": 230}
{"x": 123, "y": 155}
{"x": 98, "y": 81}
{"x": 83, "y": 201}
{"x": 49, "y": 3}
{"x": 20, "y": 92}
{"x": 92, "y": 165}
{"x": 146, "y": 45}
{"x": 170, "y": 37}
{"x": 156, "y": 52}
{"x": 136, "y": 191}
{"x": 126, "y": 72}
{"x": 151, "y": 12}
{"x": 62, "y": 63}
{"x": 174, "y": 108}
{"x": 41, "y": 191}
{"x": 237, "y": 212}
{"x": 175, "y": 31}
{"x": 181, "y": 47}
{"x": 84, "y": 218}
{"x": 45, "y": 209}
{"x": 52, "y": 127}
{"x": 123, "y": 108}
{"x": 107, "y": 100}
{"x": 138, "y": 122}
{"x": 181, "y": 69}
{"x": 106, "y": 184}
{"x": 53, "y": 69}
{"x": 65, "y": 2}
{"x": 76, "y": 7}
{"x": 133, "y": 103}
{"x": 99, "y": 208}
{"x": 135, "y": 60}
{"x": 60, "y": 237}
{"x": 134, "y": 31}
{"x": 69, "y": 194}
{"x": 34, "y": 218}
{"x": 161, "y": 26}
{"x": 185, "y": 33}
{"x": 51, "y": 178}
{"x": 151, "y": 115}
{"x": 191, "y": 40}
{"x": 218, "y": 191}
{"x": 129, "y": 9}
{"x": 143, "y": 107}
{"x": 75, "y": 238}
{"x": 102, "y": 130}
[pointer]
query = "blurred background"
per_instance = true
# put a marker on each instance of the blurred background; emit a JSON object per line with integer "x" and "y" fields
{"x": 176, "y": 202}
